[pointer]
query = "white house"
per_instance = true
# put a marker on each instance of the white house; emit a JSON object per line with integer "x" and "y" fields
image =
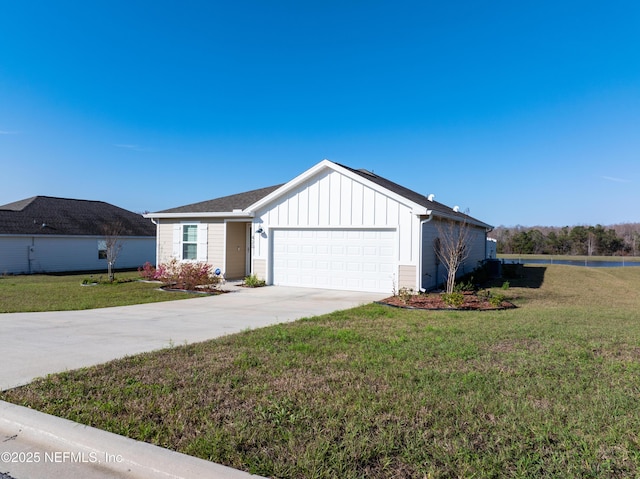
{"x": 43, "y": 234}
{"x": 330, "y": 227}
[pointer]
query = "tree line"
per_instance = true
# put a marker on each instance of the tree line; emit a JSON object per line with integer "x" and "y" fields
{"x": 615, "y": 240}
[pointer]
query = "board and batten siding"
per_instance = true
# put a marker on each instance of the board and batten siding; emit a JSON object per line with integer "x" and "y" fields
{"x": 52, "y": 254}
{"x": 331, "y": 199}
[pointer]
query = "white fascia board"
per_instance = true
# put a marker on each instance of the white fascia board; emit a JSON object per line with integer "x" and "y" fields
{"x": 469, "y": 220}
{"x": 227, "y": 214}
{"x": 416, "y": 208}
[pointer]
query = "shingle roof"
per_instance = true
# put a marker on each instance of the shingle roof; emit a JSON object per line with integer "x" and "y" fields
{"x": 46, "y": 215}
{"x": 411, "y": 195}
{"x": 226, "y": 203}
{"x": 244, "y": 200}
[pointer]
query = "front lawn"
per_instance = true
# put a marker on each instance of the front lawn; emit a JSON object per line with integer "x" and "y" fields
{"x": 547, "y": 390}
{"x": 40, "y": 292}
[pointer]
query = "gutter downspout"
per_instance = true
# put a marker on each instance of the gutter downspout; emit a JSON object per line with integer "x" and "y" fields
{"x": 420, "y": 274}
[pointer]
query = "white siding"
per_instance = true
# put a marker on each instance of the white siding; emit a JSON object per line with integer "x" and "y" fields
{"x": 330, "y": 199}
{"x": 14, "y": 254}
{"x": 69, "y": 253}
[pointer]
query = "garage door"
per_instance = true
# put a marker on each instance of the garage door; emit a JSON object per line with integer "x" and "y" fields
{"x": 357, "y": 260}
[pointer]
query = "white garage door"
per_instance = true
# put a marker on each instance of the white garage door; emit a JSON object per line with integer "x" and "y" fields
{"x": 357, "y": 260}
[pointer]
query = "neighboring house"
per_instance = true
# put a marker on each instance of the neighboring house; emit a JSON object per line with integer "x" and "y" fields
{"x": 43, "y": 234}
{"x": 330, "y": 227}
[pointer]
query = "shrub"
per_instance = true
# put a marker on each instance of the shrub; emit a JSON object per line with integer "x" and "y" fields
{"x": 496, "y": 300}
{"x": 462, "y": 286}
{"x": 405, "y": 294}
{"x": 453, "y": 300}
{"x": 505, "y": 285}
{"x": 252, "y": 281}
{"x": 147, "y": 271}
{"x": 186, "y": 275}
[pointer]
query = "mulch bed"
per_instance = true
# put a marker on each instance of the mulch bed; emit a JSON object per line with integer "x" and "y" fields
{"x": 433, "y": 301}
{"x": 212, "y": 291}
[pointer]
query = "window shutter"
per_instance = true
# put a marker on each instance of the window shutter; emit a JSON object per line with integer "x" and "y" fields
{"x": 176, "y": 250}
{"x": 202, "y": 242}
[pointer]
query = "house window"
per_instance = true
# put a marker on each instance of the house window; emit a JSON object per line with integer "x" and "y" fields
{"x": 190, "y": 242}
{"x": 102, "y": 249}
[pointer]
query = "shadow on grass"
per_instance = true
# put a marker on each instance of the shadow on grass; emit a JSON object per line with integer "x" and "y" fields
{"x": 520, "y": 276}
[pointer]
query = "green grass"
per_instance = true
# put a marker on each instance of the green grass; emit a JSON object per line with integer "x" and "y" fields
{"x": 548, "y": 390}
{"x": 524, "y": 257}
{"x": 66, "y": 292}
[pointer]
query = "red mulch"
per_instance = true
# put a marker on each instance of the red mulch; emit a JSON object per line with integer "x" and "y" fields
{"x": 434, "y": 301}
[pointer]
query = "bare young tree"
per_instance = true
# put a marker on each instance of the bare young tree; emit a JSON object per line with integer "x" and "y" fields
{"x": 452, "y": 247}
{"x": 112, "y": 245}
{"x": 591, "y": 243}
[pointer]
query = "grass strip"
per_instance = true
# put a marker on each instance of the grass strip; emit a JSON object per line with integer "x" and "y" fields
{"x": 29, "y": 293}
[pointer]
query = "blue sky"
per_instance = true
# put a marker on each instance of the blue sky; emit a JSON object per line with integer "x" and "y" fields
{"x": 521, "y": 112}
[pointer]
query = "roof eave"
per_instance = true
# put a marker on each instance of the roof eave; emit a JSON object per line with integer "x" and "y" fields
{"x": 208, "y": 214}
{"x": 467, "y": 219}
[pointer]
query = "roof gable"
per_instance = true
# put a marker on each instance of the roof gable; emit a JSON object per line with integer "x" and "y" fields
{"x": 247, "y": 203}
{"x": 46, "y": 215}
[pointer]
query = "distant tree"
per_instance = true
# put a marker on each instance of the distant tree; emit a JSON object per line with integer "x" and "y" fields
{"x": 619, "y": 239}
{"x": 452, "y": 247}
{"x": 528, "y": 242}
{"x": 563, "y": 242}
{"x": 578, "y": 237}
{"x": 607, "y": 241}
{"x": 503, "y": 240}
{"x": 113, "y": 245}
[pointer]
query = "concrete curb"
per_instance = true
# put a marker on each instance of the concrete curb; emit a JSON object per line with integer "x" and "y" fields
{"x": 65, "y": 441}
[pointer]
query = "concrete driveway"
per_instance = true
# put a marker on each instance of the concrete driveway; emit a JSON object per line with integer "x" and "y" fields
{"x": 36, "y": 344}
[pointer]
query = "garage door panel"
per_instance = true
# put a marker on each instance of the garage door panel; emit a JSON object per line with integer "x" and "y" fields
{"x": 386, "y": 252}
{"x": 362, "y": 260}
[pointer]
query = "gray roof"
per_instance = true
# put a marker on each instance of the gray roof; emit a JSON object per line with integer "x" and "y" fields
{"x": 46, "y": 215}
{"x": 422, "y": 200}
{"x": 244, "y": 200}
{"x": 229, "y": 203}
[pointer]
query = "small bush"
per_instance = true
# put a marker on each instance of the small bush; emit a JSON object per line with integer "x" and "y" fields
{"x": 496, "y": 300}
{"x": 467, "y": 285}
{"x": 186, "y": 276}
{"x": 147, "y": 271}
{"x": 453, "y": 300}
{"x": 405, "y": 294}
{"x": 506, "y": 285}
{"x": 252, "y": 281}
